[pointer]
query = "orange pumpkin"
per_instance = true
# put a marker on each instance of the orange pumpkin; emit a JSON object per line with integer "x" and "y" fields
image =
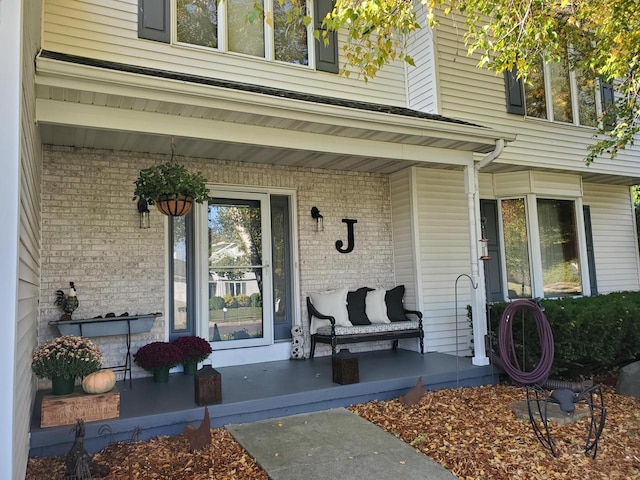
{"x": 99, "y": 382}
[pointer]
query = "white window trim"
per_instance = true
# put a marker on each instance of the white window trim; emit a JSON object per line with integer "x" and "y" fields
{"x": 573, "y": 88}
{"x": 269, "y": 36}
{"x": 533, "y": 237}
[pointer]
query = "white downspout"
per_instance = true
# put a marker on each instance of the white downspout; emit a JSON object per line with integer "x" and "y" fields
{"x": 478, "y": 303}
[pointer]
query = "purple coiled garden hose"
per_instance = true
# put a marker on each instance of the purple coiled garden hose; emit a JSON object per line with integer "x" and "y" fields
{"x": 506, "y": 346}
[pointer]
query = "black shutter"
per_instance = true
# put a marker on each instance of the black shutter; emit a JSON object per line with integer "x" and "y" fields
{"x": 154, "y": 20}
{"x": 492, "y": 266}
{"x": 607, "y": 96}
{"x": 326, "y": 56}
{"x": 591, "y": 260}
{"x": 514, "y": 91}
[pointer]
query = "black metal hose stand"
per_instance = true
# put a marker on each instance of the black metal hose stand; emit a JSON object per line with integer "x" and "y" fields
{"x": 567, "y": 396}
{"x": 540, "y": 390}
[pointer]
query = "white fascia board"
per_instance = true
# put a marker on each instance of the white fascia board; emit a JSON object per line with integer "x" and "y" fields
{"x": 56, "y": 112}
{"x": 59, "y": 74}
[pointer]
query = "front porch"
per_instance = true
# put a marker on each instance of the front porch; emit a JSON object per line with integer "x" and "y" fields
{"x": 260, "y": 391}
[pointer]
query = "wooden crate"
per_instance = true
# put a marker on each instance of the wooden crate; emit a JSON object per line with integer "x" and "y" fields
{"x": 67, "y": 409}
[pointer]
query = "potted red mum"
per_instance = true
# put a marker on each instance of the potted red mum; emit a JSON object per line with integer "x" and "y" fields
{"x": 193, "y": 350}
{"x": 158, "y": 358}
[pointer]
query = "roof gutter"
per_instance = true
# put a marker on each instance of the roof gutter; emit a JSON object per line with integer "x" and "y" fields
{"x": 491, "y": 156}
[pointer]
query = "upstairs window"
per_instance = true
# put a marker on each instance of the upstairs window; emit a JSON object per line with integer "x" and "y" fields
{"x": 555, "y": 93}
{"x": 269, "y": 29}
{"x": 272, "y": 29}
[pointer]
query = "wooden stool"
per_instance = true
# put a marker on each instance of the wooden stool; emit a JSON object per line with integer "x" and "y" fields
{"x": 344, "y": 366}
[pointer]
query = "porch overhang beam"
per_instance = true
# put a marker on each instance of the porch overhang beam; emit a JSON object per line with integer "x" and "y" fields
{"x": 79, "y": 115}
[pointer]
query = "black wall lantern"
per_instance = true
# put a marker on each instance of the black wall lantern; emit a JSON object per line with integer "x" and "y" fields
{"x": 315, "y": 214}
{"x": 143, "y": 211}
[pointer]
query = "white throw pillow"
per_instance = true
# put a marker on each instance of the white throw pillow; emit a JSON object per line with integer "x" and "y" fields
{"x": 376, "y": 306}
{"x": 333, "y": 303}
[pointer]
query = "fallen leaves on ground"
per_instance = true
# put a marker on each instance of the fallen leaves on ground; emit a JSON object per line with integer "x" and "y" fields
{"x": 471, "y": 431}
{"x": 163, "y": 458}
{"x": 474, "y": 434}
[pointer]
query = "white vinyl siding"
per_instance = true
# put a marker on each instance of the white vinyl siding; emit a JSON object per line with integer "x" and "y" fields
{"x": 539, "y": 183}
{"x": 614, "y": 238}
{"x": 421, "y": 79}
{"x": 403, "y": 228}
{"x": 476, "y": 95}
{"x": 107, "y": 30}
{"x": 20, "y": 240}
{"x": 443, "y": 226}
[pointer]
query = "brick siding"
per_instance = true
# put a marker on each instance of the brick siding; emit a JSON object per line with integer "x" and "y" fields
{"x": 91, "y": 234}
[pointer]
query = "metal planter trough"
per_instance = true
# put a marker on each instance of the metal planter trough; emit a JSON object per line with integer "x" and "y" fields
{"x": 102, "y": 327}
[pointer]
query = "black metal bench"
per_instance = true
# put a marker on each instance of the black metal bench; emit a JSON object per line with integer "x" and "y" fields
{"x": 335, "y": 335}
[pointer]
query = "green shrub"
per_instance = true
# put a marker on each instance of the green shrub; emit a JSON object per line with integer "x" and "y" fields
{"x": 591, "y": 334}
{"x": 216, "y": 303}
{"x": 256, "y": 300}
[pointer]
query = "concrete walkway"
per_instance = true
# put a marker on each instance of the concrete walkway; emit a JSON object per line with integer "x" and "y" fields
{"x": 332, "y": 444}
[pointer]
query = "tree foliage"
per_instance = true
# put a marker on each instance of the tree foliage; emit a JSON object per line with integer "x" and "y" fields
{"x": 601, "y": 36}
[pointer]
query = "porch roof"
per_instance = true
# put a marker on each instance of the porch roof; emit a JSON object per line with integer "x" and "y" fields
{"x": 82, "y": 102}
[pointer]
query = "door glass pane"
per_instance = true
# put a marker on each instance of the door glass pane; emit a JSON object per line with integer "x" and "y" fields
{"x": 561, "y": 92}
{"x": 282, "y": 301}
{"x": 535, "y": 93}
{"x": 290, "y": 33}
{"x": 179, "y": 269}
{"x": 246, "y": 33}
{"x": 198, "y": 22}
{"x": 516, "y": 248}
{"x": 559, "y": 248}
{"x": 235, "y": 269}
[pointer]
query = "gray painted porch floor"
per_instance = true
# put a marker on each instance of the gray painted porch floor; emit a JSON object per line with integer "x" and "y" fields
{"x": 260, "y": 391}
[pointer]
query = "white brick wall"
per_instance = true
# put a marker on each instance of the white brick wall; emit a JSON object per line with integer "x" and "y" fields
{"x": 90, "y": 234}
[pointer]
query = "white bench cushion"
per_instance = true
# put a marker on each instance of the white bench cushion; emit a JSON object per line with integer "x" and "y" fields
{"x": 373, "y": 328}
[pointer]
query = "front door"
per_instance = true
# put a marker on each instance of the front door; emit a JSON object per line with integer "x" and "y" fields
{"x": 240, "y": 298}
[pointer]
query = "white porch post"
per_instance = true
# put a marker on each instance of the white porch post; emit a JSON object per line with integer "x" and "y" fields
{"x": 477, "y": 294}
{"x": 478, "y": 302}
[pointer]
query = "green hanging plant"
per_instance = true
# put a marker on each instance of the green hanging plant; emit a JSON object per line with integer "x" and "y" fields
{"x": 170, "y": 180}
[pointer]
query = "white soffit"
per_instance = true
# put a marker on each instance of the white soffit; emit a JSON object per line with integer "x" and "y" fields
{"x": 86, "y": 106}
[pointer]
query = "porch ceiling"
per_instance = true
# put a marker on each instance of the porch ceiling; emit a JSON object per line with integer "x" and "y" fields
{"x": 79, "y": 137}
{"x": 81, "y": 105}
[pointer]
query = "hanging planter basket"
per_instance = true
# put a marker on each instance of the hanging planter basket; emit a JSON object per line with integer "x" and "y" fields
{"x": 174, "y": 207}
{"x": 171, "y": 187}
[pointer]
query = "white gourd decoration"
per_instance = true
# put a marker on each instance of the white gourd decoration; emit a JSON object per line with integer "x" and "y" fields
{"x": 101, "y": 381}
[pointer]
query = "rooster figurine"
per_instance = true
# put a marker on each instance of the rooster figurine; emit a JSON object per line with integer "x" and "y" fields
{"x": 68, "y": 303}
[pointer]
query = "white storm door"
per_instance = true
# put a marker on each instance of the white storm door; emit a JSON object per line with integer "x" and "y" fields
{"x": 240, "y": 309}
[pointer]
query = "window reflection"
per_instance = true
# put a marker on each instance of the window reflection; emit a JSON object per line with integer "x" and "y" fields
{"x": 561, "y": 92}
{"x": 235, "y": 269}
{"x": 290, "y": 33}
{"x": 198, "y": 22}
{"x": 516, "y": 246}
{"x": 246, "y": 34}
{"x": 559, "y": 248}
{"x": 179, "y": 268}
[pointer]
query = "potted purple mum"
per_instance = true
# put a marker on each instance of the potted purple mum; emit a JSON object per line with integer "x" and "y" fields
{"x": 192, "y": 350}
{"x": 158, "y": 358}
